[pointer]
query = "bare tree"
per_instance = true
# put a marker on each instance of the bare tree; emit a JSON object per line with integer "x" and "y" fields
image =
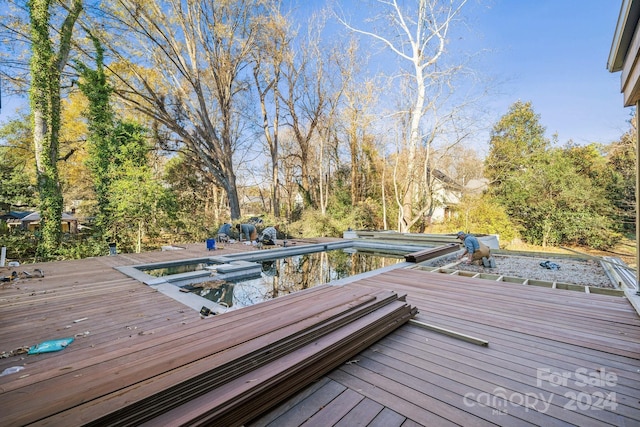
{"x": 357, "y": 113}
{"x": 417, "y": 35}
{"x": 305, "y": 100}
{"x": 15, "y": 48}
{"x": 185, "y": 66}
{"x": 327, "y": 150}
{"x": 274, "y": 45}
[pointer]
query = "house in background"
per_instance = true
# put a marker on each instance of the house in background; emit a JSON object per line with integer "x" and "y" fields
{"x": 31, "y": 221}
{"x": 13, "y": 218}
{"x": 624, "y": 55}
{"x": 476, "y": 186}
{"x": 447, "y": 194}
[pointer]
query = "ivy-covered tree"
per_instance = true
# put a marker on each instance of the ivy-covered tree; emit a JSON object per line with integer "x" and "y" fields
{"x": 102, "y": 144}
{"x": 46, "y": 68}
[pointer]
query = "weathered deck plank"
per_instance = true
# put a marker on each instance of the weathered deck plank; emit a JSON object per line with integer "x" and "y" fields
{"x": 411, "y": 377}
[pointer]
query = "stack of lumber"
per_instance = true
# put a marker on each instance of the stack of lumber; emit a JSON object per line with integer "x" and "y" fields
{"x": 431, "y": 253}
{"x": 241, "y": 364}
{"x": 409, "y": 238}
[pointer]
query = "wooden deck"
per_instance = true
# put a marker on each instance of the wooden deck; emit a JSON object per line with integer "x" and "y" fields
{"x": 554, "y": 357}
{"x": 544, "y": 345}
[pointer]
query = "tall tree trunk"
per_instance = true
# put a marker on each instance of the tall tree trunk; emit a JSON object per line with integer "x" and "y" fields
{"x": 321, "y": 180}
{"x": 352, "y": 137}
{"x": 272, "y": 138}
{"x": 234, "y": 200}
{"x": 46, "y": 70}
{"x": 414, "y": 140}
{"x": 384, "y": 195}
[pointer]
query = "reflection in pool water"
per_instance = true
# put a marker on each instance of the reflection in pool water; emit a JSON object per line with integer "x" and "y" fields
{"x": 287, "y": 275}
{"x": 177, "y": 269}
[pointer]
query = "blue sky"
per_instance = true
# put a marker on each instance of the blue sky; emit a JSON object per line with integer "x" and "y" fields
{"x": 550, "y": 52}
{"x": 554, "y": 53}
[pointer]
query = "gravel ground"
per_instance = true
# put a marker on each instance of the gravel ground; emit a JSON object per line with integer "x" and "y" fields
{"x": 578, "y": 272}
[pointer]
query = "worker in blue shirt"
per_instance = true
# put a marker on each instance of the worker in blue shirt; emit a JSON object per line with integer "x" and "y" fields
{"x": 224, "y": 232}
{"x": 473, "y": 248}
{"x": 247, "y": 232}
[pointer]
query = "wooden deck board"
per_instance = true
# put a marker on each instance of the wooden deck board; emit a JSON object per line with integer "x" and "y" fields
{"x": 413, "y": 376}
{"x": 494, "y": 373}
{"x": 553, "y": 353}
{"x": 360, "y": 415}
{"x": 305, "y": 409}
{"x": 509, "y": 315}
{"x": 387, "y": 418}
{"x": 163, "y": 354}
{"x": 155, "y": 342}
{"x": 435, "y": 380}
{"x": 390, "y": 399}
{"x": 528, "y": 328}
{"x": 525, "y": 359}
{"x": 269, "y": 418}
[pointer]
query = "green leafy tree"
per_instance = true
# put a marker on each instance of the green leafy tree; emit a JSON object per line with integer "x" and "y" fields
{"x": 588, "y": 161}
{"x": 555, "y": 195}
{"x": 514, "y": 141}
{"x": 17, "y": 173}
{"x": 621, "y": 182}
{"x": 139, "y": 205}
{"x": 138, "y": 202}
{"x": 199, "y": 202}
{"x": 553, "y": 203}
{"x": 483, "y": 214}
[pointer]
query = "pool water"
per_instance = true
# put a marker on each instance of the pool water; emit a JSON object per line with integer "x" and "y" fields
{"x": 291, "y": 274}
{"x": 177, "y": 269}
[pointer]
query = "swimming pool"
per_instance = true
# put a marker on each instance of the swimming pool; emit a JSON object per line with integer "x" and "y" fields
{"x": 282, "y": 276}
{"x": 238, "y": 280}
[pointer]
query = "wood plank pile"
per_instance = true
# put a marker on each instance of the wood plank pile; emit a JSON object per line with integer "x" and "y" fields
{"x": 412, "y": 238}
{"x": 241, "y": 364}
{"x": 431, "y": 252}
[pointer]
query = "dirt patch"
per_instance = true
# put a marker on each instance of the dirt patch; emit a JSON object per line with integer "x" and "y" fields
{"x": 574, "y": 271}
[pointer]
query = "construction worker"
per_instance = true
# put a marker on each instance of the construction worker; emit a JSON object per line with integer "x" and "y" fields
{"x": 224, "y": 232}
{"x": 473, "y": 249}
{"x": 248, "y": 231}
{"x": 268, "y": 236}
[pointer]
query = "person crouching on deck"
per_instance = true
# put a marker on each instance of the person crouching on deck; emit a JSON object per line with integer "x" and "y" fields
{"x": 474, "y": 249}
{"x": 268, "y": 236}
{"x": 224, "y": 232}
{"x": 248, "y": 231}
